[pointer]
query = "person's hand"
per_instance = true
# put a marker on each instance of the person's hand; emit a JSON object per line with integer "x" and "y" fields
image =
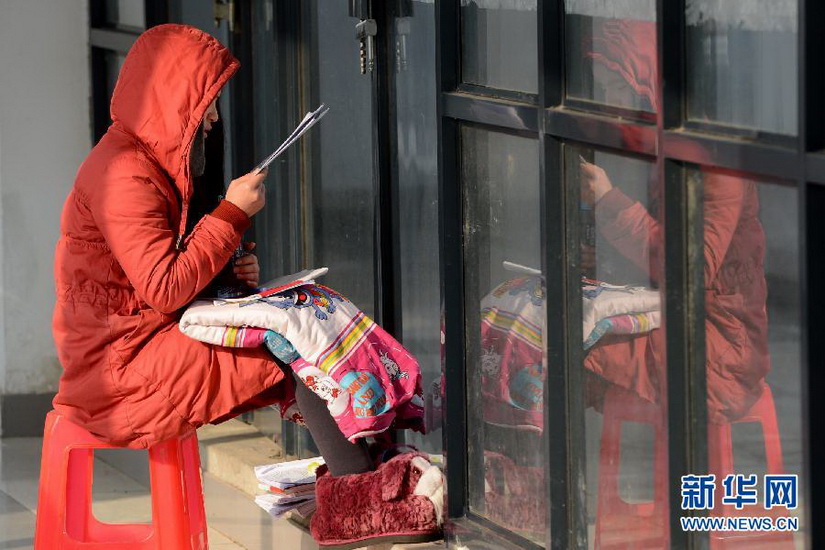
{"x": 246, "y": 267}
{"x": 595, "y": 183}
{"x": 248, "y": 193}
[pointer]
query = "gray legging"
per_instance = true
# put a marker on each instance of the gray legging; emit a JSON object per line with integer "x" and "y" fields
{"x": 341, "y": 456}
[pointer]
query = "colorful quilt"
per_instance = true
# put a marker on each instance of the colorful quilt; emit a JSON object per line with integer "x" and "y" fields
{"x": 511, "y": 360}
{"x": 602, "y": 301}
{"x": 368, "y": 380}
{"x": 630, "y": 323}
{"x": 512, "y": 320}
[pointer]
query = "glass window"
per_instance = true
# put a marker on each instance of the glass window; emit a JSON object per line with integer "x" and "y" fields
{"x": 505, "y": 312}
{"x": 417, "y": 177}
{"x": 499, "y": 41}
{"x": 276, "y": 236}
{"x": 126, "y": 13}
{"x": 340, "y": 199}
{"x": 624, "y": 363}
{"x": 742, "y": 63}
{"x": 611, "y": 53}
{"x": 114, "y": 62}
{"x": 753, "y": 349}
{"x": 275, "y": 231}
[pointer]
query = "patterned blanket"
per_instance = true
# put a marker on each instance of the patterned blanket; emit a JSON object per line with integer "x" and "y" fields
{"x": 367, "y": 378}
{"x": 512, "y": 320}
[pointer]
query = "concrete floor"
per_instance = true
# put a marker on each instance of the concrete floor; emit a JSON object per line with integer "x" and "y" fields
{"x": 235, "y": 522}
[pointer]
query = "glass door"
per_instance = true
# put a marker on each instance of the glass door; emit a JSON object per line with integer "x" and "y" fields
{"x": 199, "y": 14}
{"x": 339, "y": 181}
{"x": 321, "y": 194}
{"x": 359, "y": 194}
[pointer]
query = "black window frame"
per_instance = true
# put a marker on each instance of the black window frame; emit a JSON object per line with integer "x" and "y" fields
{"x": 294, "y": 97}
{"x": 106, "y": 38}
{"x": 554, "y": 120}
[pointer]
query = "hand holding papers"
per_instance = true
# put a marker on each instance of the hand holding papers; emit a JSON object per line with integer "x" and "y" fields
{"x": 308, "y": 122}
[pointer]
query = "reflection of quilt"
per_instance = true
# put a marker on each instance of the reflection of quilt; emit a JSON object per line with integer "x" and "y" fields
{"x": 629, "y": 323}
{"x": 512, "y": 370}
{"x": 366, "y": 377}
{"x": 601, "y": 301}
{"x": 512, "y": 317}
{"x": 611, "y": 309}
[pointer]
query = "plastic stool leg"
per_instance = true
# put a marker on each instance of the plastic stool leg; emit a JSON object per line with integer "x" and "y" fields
{"x": 168, "y": 503}
{"x": 621, "y": 524}
{"x": 79, "y": 463}
{"x": 194, "y": 492}
{"x": 770, "y": 432}
{"x": 661, "y": 493}
{"x": 721, "y": 462}
{"x": 608, "y": 501}
{"x": 51, "y": 501}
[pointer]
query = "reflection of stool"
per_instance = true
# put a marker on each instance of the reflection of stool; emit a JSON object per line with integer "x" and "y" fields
{"x": 64, "y": 510}
{"x": 721, "y": 463}
{"x": 621, "y": 524}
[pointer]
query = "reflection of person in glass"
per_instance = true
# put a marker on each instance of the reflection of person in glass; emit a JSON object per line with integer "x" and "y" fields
{"x": 512, "y": 373}
{"x": 734, "y": 246}
{"x": 512, "y": 388}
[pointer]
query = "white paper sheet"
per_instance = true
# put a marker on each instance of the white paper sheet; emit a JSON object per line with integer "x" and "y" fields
{"x": 310, "y": 120}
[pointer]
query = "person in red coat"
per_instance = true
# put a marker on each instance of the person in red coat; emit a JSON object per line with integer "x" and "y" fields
{"x": 125, "y": 265}
{"x": 735, "y": 290}
{"x": 130, "y": 259}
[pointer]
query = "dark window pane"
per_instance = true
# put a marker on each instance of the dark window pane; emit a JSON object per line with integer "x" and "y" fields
{"x": 340, "y": 202}
{"x": 275, "y": 232}
{"x": 753, "y": 348}
{"x": 611, "y": 53}
{"x": 276, "y": 236}
{"x": 114, "y": 62}
{"x": 197, "y": 14}
{"x": 336, "y": 201}
{"x": 742, "y": 63}
{"x": 499, "y": 44}
{"x": 624, "y": 363}
{"x": 505, "y": 318}
{"x": 126, "y": 13}
{"x": 417, "y": 176}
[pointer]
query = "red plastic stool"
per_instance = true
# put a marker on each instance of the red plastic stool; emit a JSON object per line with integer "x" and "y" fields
{"x": 64, "y": 510}
{"x": 621, "y": 524}
{"x": 720, "y": 462}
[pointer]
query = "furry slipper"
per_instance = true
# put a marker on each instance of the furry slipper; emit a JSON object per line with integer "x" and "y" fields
{"x": 401, "y": 502}
{"x": 514, "y": 495}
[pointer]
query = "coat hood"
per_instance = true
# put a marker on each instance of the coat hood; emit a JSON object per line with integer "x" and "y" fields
{"x": 169, "y": 78}
{"x": 628, "y": 47}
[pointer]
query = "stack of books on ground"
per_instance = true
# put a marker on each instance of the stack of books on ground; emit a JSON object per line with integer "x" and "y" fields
{"x": 288, "y": 486}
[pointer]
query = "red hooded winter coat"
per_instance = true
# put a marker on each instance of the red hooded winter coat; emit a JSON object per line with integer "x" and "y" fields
{"x": 736, "y": 320}
{"x": 124, "y": 269}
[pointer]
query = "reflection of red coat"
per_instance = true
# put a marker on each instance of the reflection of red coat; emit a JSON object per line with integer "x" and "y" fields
{"x": 735, "y": 294}
{"x": 130, "y": 376}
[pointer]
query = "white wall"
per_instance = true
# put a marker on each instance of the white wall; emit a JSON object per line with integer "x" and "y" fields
{"x": 44, "y": 136}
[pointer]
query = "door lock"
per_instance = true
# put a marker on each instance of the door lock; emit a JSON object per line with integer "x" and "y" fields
{"x": 365, "y": 32}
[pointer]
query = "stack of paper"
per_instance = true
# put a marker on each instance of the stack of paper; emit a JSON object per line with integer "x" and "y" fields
{"x": 288, "y": 486}
{"x": 308, "y": 122}
{"x": 274, "y": 286}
